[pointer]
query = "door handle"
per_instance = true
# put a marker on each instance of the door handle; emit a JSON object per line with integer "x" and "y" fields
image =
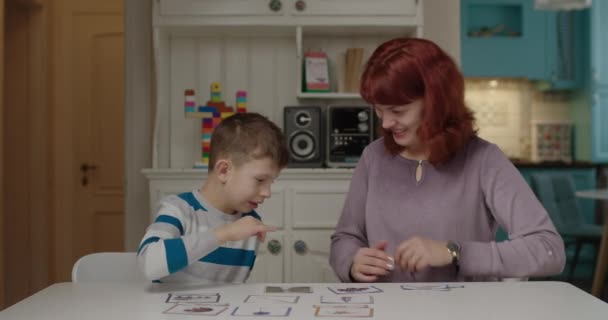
{"x": 85, "y": 168}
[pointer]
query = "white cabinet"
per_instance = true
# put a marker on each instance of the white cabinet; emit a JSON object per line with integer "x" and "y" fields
{"x": 355, "y": 8}
{"x": 287, "y": 12}
{"x": 227, "y": 8}
{"x": 305, "y": 205}
{"x": 255, "y": 46}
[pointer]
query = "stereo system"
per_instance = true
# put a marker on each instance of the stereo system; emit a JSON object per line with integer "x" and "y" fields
{"x": 335, "y": 137}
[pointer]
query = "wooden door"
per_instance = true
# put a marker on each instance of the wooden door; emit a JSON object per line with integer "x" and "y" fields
{"x": 89, "y": 126}
{"x": 1, "y": 154}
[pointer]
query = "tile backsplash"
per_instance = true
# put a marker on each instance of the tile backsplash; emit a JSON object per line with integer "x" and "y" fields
{"x": 505, "y": 108}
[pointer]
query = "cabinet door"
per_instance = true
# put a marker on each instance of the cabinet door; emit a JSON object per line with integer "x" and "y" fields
{"x": 599, "y": 43}
{"x": 269, "y": 264}
{"x": 218, "y": 8}
{"x": 309, "y": 256}
{"x": 565, "y": 48}
{"x": 502, "y": 39}
{"x": 355, "y": 7}
{"x": 599, "y": 114}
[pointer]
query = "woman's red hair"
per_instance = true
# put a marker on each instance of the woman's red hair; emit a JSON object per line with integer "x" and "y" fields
{"x": 406, "y": 69}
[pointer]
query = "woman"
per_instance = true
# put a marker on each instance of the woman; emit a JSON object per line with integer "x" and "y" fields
{"x": 426, "y": 199}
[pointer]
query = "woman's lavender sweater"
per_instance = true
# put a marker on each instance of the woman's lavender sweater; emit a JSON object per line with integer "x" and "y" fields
{"x": 465, "y": 200}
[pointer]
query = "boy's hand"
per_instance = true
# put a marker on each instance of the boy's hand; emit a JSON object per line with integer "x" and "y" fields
{"x": 243, "y": 228}
{"x": 372, "y": 263}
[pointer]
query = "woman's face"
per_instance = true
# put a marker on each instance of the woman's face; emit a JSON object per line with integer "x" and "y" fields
{"x": 402, "y": 121}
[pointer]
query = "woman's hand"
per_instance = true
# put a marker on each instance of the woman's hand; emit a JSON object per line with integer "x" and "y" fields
{"x": 416, "y": 254}
{"x": 371, "y": 263}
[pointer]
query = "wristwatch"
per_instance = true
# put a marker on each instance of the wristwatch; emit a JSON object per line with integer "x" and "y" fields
{"x": 454, "y": 250}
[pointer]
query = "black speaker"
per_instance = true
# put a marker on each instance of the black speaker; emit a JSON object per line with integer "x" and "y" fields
{"x": 303, "y": 127}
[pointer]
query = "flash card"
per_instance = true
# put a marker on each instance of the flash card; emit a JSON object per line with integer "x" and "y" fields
{"x": 276, "y": 289}
{"x": 193, "y": 309}
{"x": 347, "y": 299}
{"x": 271, "y": 299}
{"x": 262, "y": 311}
{"x": 344, "y": 311}
{"x": 193, "y": 298}
{"x": 432, "y": 287}
{"x": 353, "y": 289}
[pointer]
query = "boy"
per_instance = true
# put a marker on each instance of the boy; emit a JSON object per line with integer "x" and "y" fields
{"x": 207, "y": 235}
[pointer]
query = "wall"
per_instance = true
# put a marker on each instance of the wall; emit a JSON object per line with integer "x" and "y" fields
{"x": 505, "y": 109}
{"x": 441, "y": 20}
{"x": 139, "y": 107}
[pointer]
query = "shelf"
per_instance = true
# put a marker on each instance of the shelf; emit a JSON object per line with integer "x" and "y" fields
{"x": 328, "y": 95}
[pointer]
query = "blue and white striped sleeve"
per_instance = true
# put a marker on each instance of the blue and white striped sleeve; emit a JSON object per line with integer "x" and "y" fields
{"x": 166, "y": 249}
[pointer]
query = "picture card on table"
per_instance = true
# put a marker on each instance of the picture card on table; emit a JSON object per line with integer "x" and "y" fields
{"x": 431, "y": 287}
{"x": 261, "y": 310}
{"x": 271, "y": 299}
{"x": 197, "y": 309}
{"x": 351, "y": 289}
{"x": 297, "y": 289}
{"x": 350, "y": 311}
{"x": 356, "y": 299}
{"x": 193, "y": 298}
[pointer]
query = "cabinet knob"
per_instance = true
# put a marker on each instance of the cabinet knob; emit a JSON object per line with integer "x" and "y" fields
{"x": 274, "y": 247}
{"x": 300, "y": 247}
{"x": 275, "y": 5}
{"x": 300, "y": 5}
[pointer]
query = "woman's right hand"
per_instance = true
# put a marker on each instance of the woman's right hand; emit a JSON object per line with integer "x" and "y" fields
{"x": 371, "y": 263}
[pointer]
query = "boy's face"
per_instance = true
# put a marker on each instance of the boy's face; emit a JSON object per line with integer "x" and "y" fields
{"x": 248, "y": 185}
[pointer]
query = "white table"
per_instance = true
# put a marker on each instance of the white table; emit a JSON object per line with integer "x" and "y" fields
{"x": 602, "y": 255}
{"x": 482, "y": 300}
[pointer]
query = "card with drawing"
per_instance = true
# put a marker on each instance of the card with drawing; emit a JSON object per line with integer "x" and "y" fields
{"x": 347, "y": 299}
{"x": 271, "y": 299}
{"x": 351, "y": 311}
{"x": 193, "y": 298}
{"x": 195, "y": 309}
{"x": 277, "y": 289}
{"x": 261, "y": 311}
{"x": 431, "y": 287}
{"x": 351, "y": 289}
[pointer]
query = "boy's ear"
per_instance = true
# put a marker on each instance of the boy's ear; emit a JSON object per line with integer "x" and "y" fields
{"x": 222, "y": 168}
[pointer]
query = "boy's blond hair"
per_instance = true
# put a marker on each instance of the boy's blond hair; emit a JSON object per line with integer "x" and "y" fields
{"x": 246, "y": 136}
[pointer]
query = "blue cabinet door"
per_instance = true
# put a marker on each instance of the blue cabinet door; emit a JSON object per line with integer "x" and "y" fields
{"x": 599, "y": 124}
{"x": 565, "y": 48}
{"x": 503, "y": 38}
{"x": 599, "y": 43}
{"x": 599, "y": 81}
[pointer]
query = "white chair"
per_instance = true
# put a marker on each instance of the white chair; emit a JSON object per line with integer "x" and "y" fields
{"x": 107, "y": 267}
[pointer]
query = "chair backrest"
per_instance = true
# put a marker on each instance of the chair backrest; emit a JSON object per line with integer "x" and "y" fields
{"x": 107, "y": 267}
{"x": 556, "y": 192}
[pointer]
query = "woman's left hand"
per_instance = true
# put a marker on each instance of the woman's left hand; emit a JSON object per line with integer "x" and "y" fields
{"x": 416, "y": 254}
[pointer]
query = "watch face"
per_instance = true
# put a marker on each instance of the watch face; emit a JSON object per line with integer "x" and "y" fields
{"x": 453, "y": 246}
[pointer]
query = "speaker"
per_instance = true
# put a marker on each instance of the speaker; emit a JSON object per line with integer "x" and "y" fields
{"x": 303, "y": 127}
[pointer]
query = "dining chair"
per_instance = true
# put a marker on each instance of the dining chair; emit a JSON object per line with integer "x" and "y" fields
{"x": 107, "y": 267}
{"x": 556, "y": 192}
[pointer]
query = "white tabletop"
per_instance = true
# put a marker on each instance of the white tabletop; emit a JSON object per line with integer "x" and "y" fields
{"x": 599, "y": 194}
{"x": 489, "y": 300}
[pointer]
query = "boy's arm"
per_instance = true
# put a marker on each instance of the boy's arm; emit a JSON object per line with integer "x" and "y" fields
{"x": 165, "y": 249}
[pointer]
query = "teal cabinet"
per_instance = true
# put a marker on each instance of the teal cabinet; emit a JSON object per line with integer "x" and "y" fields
{"x": 584, "y": 179}
{"x": 511, "y": 39}
{"x": 565, "y": 49}
{"x": 599, "y": 81}
{"x": 504, "y": 38}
